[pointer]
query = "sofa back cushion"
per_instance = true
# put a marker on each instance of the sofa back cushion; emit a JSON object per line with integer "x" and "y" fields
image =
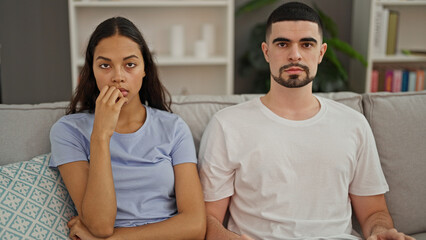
{"x": 25, "y": 129}
{"x": 398, "y": 121}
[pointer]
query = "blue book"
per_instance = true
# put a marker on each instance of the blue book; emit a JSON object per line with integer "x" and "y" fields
{"x": 404, "y": 85}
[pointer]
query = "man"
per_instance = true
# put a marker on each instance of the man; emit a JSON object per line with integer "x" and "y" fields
{"x": 289, "y": 165}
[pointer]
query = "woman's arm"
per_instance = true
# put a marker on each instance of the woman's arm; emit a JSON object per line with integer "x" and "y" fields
{"x": 189, "y": 223}
{"x": 91, "y": 186}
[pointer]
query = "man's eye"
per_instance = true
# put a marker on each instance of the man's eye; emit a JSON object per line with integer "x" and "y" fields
{"x": 282, "y": 44}
{"x": 104, "y": 66}
{"x": 307, "y": 45}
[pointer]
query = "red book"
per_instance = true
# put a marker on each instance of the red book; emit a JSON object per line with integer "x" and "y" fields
{"x": 388, "y": 80}
{"x": 374, "y": 81}
{"x": 420, "y": 80}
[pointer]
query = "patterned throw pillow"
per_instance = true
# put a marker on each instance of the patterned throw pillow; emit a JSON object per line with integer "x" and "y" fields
{"x": 34, "y": 203}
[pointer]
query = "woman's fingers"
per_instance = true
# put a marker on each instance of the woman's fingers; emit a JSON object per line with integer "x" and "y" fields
{"x": 115, "y": 96}
{"x": 103, "y": 91}
{"x": 121, "y": 101}
{"x": 108, "y": 94}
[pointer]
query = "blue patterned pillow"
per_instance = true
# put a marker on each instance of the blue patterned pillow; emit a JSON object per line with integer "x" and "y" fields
{"x": 34, "y": 203}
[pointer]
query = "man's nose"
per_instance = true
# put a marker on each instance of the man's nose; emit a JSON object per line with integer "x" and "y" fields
{"x": 294, "y": 55}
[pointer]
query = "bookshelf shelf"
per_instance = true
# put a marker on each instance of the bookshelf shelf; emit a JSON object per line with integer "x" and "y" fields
{"x": 402, "y": 3}
{"x": 398, "y": 58}
{"x": 159, "y": 3}
{"x": 370, "y": 36}
{"x": 194, "y": 71}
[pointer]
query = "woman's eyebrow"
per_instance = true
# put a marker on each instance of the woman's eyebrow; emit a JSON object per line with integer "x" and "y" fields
{"x": 104, "y": 58}
{"x": 131, "y": 56}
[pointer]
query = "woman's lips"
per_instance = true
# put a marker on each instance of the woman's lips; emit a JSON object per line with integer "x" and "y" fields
{"x": 124, "y": 92}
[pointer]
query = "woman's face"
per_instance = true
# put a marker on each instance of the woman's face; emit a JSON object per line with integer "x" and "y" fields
{"x": 118, "y": 62}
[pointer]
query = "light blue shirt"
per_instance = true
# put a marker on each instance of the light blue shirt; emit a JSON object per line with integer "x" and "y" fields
{"x": 142, "y": 162}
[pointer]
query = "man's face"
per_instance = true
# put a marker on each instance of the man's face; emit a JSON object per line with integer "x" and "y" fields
{"x": 293, "y": 50}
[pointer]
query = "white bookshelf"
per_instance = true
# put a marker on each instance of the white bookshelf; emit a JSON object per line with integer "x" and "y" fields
{"x": 411, "y": 35}
{"x": 188, "y": 74}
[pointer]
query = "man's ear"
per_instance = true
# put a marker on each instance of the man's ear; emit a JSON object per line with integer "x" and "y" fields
{"x": 323, "y": 49}
{"x": 265, "y": 51}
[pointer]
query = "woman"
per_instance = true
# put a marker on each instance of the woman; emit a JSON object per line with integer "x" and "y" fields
{"x": 128, "y": 163}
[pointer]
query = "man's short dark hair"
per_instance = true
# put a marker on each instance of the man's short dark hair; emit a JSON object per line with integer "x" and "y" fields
{"x": 293, "y": 11}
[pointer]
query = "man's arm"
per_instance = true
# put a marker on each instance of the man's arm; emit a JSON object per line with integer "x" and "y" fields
{"x": 215, "y": 215}
{"x": 216, "y": 212}
{"x": 374, "y": 217}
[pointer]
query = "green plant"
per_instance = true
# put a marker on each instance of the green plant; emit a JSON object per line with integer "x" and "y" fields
{"x": 331, "y": 75}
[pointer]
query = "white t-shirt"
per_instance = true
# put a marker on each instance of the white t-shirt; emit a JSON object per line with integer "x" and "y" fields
{"x": 289, "y": 179}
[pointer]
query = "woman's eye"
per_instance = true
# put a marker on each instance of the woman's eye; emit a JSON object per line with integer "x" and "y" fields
{"x": 104, "y": 66}
{"x": 131, "y": 65}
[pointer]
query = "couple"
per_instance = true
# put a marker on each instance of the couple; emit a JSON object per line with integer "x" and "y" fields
{"x": 287, "y": 165}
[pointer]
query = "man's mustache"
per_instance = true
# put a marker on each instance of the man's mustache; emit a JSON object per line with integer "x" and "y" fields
{"x": 304, "y": 67}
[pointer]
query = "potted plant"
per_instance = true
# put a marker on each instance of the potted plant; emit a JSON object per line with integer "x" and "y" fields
{"x": 331, "y": 76}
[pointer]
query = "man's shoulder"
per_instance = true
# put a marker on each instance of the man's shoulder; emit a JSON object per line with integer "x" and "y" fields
{"x": 238, "y": 111}
{"x": 340, "y": 107}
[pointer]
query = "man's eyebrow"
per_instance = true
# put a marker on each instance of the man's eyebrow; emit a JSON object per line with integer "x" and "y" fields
{"x": 280, "y": 39}
{"x": 309, "y": 39}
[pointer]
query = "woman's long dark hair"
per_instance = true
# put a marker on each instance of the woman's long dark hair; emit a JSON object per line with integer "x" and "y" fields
{"x": 152, "y": 91}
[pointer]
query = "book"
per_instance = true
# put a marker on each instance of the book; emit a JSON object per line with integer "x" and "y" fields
{"x": 388, "y": 80}
{"x": 374, "y": 81}
{"x": 397, "y": 80}
{"x": 412, "y": 79}
{"x": 392, "y": 32}
{"x": 380, "y": 30}
{"x": 382, "y": 76}
{"x": 420, "y": 80}
{"x": 404, "y": 84}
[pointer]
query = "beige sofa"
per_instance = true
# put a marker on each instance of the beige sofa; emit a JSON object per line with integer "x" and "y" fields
{"x": 398, "y": 121}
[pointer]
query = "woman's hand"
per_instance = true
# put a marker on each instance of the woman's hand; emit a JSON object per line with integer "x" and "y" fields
{"x": 78, "y": 231}
{"x": 108, "y": 107}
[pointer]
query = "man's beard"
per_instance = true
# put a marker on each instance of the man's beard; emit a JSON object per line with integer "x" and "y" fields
{"x": 293, "y": 80}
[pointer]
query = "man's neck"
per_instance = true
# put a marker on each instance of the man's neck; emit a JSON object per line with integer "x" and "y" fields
{"x": 291, "y": 103}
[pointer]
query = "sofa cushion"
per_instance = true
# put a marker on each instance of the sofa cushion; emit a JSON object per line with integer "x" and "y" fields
{"x": 196, "y": 111}
{"x": 34, "y": 203}
{"x": 398, "y": 121}
{"x": 25, "y": 129}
